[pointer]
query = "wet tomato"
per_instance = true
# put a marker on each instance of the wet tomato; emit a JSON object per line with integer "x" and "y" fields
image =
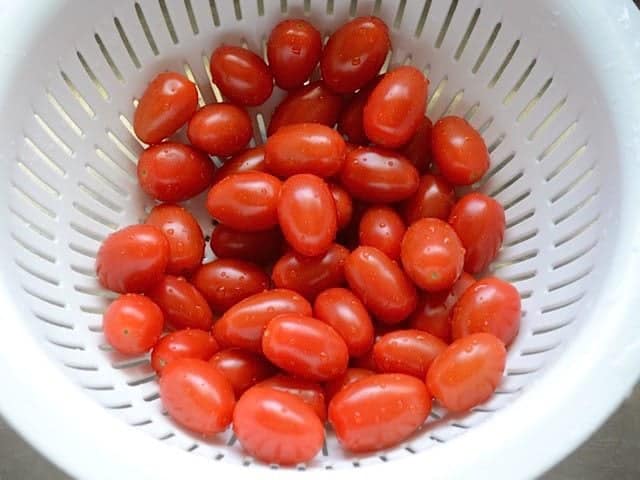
{"x": 259, "y": 247}
{"x": 344, "y": 205}
{"x": 352, "y": 375}
{"x": 132, "y": 324}
{"x": 251, "y": 159}
{"x": 242, "y": 368}
{"x": 220, "y": 129}
{"x": 418, "y": 149}
{"x": 407, "y": 351}
{"x": 382, "y": 227}
{"x": 309, "y": 392}
{"x": 350, "y": 121}
{"x": 189, "y": 343}
{"x": 434, "y": 198}
{"x": 181, "y": 303}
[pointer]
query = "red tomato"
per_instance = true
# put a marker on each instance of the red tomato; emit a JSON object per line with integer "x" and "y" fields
{"x": 252, "y": 159}
{"x": 173, "y": 172}
{"x": 311, "y": 275}
{"x": 307, "y": 214}
{"x": 432, "y": 254}
{"x": 395, "y": 108}
{"x": 480, "y": 223}
{"x": 313, "y": 103}
{"x": 490, "y": 305}
{"x": 243, "y": 324}
{"x": 305, "y": 347}
{"x": 309, "y": 392}
{"x": 277, "y": 427}
{"x": 245, "y": 201}
{"x": 220, "y": 129}
{"x": 305, "y": 148}
{"x": 379, "y": 411}
{"x": 343, "y": 311}
{"x": 433, "y": 314}
{"x": 418, "y": 150}
{"x": 467, "y": 372}
{"x": 181, "y": 303}
{"x": 259, "y": 247}
{"x": 352, "y": 375}
{"x": 379, "y": 176}
{"x": 197, "y": 396}
{"x": 182, "y": 344}
{"x": 381, "y": 284}
{"x": 459, "y": 151}
{"x": 133, "y": 259}
{"x": 132, "y": 324}
{"x": 241, "y": 75}
{"x": 168, "y": 103}
{"x": 434, "y": 198}
{"x": 382, "y": 227}
{"x": 293, "y": 50}
{"x": 344, "y": 205}
{"x": 354, "y": 54}
{"x": 350, "y": 121}
{"x": 243, "y": 369}
{"x": 186, "y": 242}
{"x": 407, "y": 351}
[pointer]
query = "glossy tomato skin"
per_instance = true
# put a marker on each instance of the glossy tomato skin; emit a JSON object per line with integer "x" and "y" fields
{"x": 309, "y": 392}
{"x": 432, "y": 254}
{"x": 379, "y": 176}
{"x": 459, "y": 151}
{"x": 313, "y": 103}
{"x": 220, "y": 129}
{"x": 479, "y": 221}
{"x": 344, "y": 205}
{"x": 133, "y": 259}
{"x": 434, "y": 198}
{"x": 395, "y": 108}
{"x": 382, "y": 227}
{"x": 350, "y": 121}
{"x": 381, "y": 285}
{"x": 241, "y": 75}
{"x": 173, "y": 172}
{"x": 197, "y": 396}
{"x": 379, "y": 411}
{"x": 342, "y": 310}
{"x": 243, "y": 324}
{"x": 188, "y": 343}
{"x": 352, "y": 375}
{"x": 169, "y": 101}
{"x": 307, "y": 214}
{"x": 186, "y": 241}
{"x": 243, "y": 369}
{"x": 277, "y": 427}
{"x": 310, "y": 275}
{"x": 245, "y": 201}
{"x": 132, "y": 324}
{"x": 407, "y": 351}
{"x": 181, "y": 303}
{"x": 490, "y": 305}
{"x": 467, "y": 372}
{"x": 305, "y": 347}
{"x": 258, "y": 247}
{"x": 418, "y": 149}
{"x": 251, "y": 159}
{"x": 354, "y": 54}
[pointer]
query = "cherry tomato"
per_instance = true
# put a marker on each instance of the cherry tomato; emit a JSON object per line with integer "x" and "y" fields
{"x": 305, "y": 148}
{"x": 309, "y": 392}
{"x": 380, "y": 176}
{"x": 313, "y": 103}
{"x": 173, "y": 172}
{"x": 352, "y": 375}
{"x": 245, "y": 201}
{"x": 132, "y": 324}
{"x": 480, "y": 223}
{"x": 293, "y": 50}
{"x": 459, "y": 151}
{"x": 395, "y": 108}
{"x": 434, "y": 198}
{"x": 197, "y": 396}
{"x": 133, "y": 259}
{"x": 189, "y": 343}
{"x": 407, "y": 351}
{"x": 418, "y": 150}
{"x": 252, "y": 159}
{"x": 181, "y": 303}
{"x": 311, "y": 275}
{"x": 277, "y": 427}
{"x": 242, "y": 368}
{"x": 186, "y": 242}
{"x": 258, "y": 247}
{"x": 220, "y": 129}
{"x": 467, "y": 372}
{"x": 307, "y": 214}
{"x": 305, "y": 347}
{"x": 241, "y": 75}
{"x": 350, "y": 121}
{"x": 343, "y": 311}
{"x": 379, "y": 411}
{"x": 432, "y": 254}
{"x": 344, "y": 205}
{"x": 243, "y": 324}
{"x": 168, "y": 103}
{"x": 490, "y": 305}
{"x": 382, "y": 227}
{"x": 381, "y": 284}
{"x": 354, "y": 54}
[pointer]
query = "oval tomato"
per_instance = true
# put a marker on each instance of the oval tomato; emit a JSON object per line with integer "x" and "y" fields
{"x": 181, "y": 303}
{"x": 434, "y": 198}
{"x": 258, "y": 247}
{"x": 251, "y": 159}
{"x": 418, "y": 149}
{"x": 132, "y": 324}
{"x": 242, "y": 368}
{"x": 352, "y": 375}
{"x": 407, "y": 351}
{"x": 189, "y": 343}
{"x": 220, "y": 129}
{"x": 344, "y": 205}
{"x": 350, "y": 121}
{"x": 309, "y": 392}
{"x": 382, "y": 227}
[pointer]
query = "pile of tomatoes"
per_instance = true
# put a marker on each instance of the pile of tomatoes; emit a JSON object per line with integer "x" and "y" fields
{"x": 343, "y": 288}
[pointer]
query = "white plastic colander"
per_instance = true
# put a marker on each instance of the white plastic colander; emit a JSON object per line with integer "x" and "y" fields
{"x": 554, "y": 87}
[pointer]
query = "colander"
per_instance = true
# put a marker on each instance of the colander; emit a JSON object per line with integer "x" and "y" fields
{"x": 554, "y": 87}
